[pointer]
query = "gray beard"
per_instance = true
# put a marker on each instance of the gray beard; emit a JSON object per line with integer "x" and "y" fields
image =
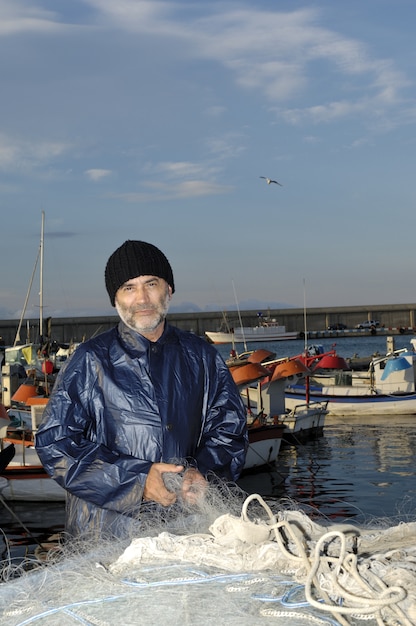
{"x": 149, "y": 328}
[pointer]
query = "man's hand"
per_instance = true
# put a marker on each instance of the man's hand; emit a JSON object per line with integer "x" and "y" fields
{"x": 193, "y": 486}
{"x": 154, "y": 487}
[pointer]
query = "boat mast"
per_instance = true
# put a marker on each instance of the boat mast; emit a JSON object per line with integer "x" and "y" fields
{"x": 41, "y": 277}
{"x": 239, "y": 316}
{"x": 305, "y": 325}
{"x": 39, "y": 255}
{"x": 307, "y": 382}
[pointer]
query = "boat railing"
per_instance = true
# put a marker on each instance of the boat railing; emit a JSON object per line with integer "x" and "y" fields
{"x": 388, "y": 356}
{"x": 318, "y": 405}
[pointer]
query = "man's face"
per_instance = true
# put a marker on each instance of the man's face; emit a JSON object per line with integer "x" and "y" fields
{"x": 142, "y": 303}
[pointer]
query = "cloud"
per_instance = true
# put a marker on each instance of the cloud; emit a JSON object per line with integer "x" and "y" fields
{"x": 27, "y": 155}
{"x": 181, "y": 169}
{"x": 166, "y": 191}
{"x": 228, "y": 146}
{"x": 178, "y": 179}
{"x": 275, "y": 53}
{"x": 194, "y": 188}
{"x": 97, "y": 174}
{"x": 323, "y": 113}
{"x": 17, "y": 16}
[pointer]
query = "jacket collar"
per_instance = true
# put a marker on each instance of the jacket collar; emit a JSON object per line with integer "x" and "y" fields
{"x": 135, "y": 342}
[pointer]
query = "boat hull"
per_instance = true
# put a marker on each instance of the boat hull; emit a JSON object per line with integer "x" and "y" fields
{"x": 353, "y": 404}
{"x": 259, "y": 333}
{"x": 25, "y": 478}
{"x": 30, "y": 485}
{"x": 304, "y": 423}
{"x": 264, "y": 446}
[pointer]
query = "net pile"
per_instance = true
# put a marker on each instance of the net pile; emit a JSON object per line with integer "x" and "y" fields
{"x": 245, "y": 563}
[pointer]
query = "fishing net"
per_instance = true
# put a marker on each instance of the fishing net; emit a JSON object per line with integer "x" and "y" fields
{"x": 227, "y": 559}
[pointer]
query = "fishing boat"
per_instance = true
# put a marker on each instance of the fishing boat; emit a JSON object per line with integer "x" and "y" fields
{"x": 264, "y": 433}
{"x": 30, "y": 359}
{"x": 267, "y": 330}
{"x": 388, "y": 387}
{"x": 6, "y": 456}
{"x": 24, "y": 477}
{"x": 28, "y": 375}
{"x": 262, "y": 388}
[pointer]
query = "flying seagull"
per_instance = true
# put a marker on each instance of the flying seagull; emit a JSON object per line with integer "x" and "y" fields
{"x": 269, "y": 180}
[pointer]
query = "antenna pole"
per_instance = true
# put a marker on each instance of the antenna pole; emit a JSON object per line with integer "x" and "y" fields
{"x": 41, "y": 277}
{"x": 305, "y": 326}
{"x": 239, "y": 316}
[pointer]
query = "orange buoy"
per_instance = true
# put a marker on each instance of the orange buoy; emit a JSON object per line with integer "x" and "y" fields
{"x": 245, "y": 374}
{"x": 290, "y": 369}
{"x": 25, "y": 391}
{"x": 260, "y": 355}
{"x": 37, "y": 400}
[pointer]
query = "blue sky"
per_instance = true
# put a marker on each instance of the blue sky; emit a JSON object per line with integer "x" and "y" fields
{"x": 155, "y": 120}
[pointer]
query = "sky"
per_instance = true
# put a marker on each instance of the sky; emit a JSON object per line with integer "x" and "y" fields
{"x": 155, "y": 120}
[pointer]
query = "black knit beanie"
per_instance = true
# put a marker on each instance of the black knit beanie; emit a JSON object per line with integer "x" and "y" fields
{"x": 135, "y": 258}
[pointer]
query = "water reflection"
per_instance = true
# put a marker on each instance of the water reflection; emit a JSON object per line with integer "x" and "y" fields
{"x": 25, "y": 526}
{"x": 362, "y": 346}
{"x": 360, "y": 468}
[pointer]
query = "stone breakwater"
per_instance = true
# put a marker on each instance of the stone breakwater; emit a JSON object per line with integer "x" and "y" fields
{"x": 393, "y": 319}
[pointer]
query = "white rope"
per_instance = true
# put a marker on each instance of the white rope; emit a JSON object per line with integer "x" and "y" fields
{"x": 338, "y": 573}
{"x": 374, "y": 597}
{"x": 372, "y": 600}
{"x": 293, "y": 615}
{"x": 331, "y": 572}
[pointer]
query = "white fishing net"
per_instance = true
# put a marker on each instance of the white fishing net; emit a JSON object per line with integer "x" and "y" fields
{"x": 258, "y": 562}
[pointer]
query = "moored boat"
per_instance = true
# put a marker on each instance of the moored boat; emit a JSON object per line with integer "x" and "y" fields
{"x": 267, "y": 330}
{"x": 387, "y": 388}
{"x": 262, "y": 387}
{"x": 264, "y": 433}
{"x": 24, "y": 477}
{"x": 267, "y": 397}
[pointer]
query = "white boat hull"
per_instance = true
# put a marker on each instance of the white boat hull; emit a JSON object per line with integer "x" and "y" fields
{"x": 304, "y": 422}
{"x": 25, "y": 479}
{"x": 387, "y": 388}
{"x": 353, "y": 403}
{"x": 31, "y": 490}
{"x": 264, "y": 446}
{"x": 258, "y": 333}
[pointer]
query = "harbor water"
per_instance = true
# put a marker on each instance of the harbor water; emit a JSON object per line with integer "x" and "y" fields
{"x": 361, "y": 468}
{"x": 358, "y": 470}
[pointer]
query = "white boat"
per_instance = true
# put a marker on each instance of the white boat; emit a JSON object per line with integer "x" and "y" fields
{"x": 267, "y": 330}
{"x": 27, "y": 379}
{"x": 264, "y": 445}
{"x": 24, "y": 478}
{"x": 387, "y": 388}
{"x": 267, "y": 397}
{"x": 269, "y": 421}
{"x": 19, "y": 419}
{"x": 264, "y": 433}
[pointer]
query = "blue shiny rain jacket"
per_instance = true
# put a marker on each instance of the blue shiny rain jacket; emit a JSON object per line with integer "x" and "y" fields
{"x": 121, "y": 403}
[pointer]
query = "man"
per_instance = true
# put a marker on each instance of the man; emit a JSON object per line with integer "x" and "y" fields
{"x": 139, "y": 401}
